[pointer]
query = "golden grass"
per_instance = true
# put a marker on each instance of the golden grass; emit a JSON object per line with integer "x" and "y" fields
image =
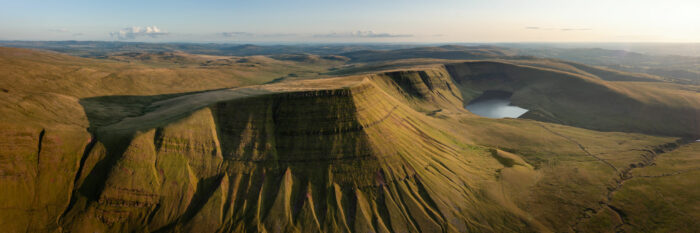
{"x": 384, "y": 152}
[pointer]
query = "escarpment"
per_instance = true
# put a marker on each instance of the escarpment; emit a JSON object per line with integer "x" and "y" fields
{"x": 350, "y": 159}
{"x": 423, "y": 90}
{"x": 585, "y": 101}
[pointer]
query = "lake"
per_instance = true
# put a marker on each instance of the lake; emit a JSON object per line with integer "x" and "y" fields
{"x": 495, "y": 104}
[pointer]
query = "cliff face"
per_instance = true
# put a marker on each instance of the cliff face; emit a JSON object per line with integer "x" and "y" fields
{"x": 350, "y": 159}
{"x": 37, "y": 172}
{"x": 424, "y": 90}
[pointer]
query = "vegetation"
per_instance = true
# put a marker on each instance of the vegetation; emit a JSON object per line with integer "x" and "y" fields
{"x": 176, "y": 142}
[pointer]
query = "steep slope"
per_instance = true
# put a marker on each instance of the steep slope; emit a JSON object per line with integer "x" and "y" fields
{"x": 614, "y": 75}
{"x": 588, "y": 102}
{"x": 350, "y": 159}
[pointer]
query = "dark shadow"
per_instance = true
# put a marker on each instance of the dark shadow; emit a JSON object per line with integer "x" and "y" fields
{"x": 102, "y": 111}
{"x": 492, "y": 94}
{"x": 106, "y": 110}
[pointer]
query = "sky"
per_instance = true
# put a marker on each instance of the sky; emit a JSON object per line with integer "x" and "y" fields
{"x": 410, "y": 21}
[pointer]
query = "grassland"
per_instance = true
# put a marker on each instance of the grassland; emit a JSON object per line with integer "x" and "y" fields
{"x": 170, "y": 142}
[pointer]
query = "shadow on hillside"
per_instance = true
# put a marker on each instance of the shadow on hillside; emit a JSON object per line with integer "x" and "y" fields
{"x": 106, "y": 110}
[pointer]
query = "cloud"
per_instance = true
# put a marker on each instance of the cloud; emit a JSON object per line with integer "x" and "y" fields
{"x": 279, "y": 35}
{"x": 560, "y": 29}
{"x": 135, "y": 32}
{"x": 236, "y": 34}
{"x": 361, "y": 34}
{"x": 64, "y": 31}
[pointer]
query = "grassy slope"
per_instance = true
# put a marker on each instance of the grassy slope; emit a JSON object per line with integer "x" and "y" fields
{"x": 665, "y": 193}
{"x": 35, "y": 80}
{"x": 409, "y": 151}
{"x": 47, "y": 98}
{"x": 556, "y": 165}
{"x": 362, "y": 153}
{"x": 323, "y": 149}
{"x": 135, "y": 75}
{"x": 589, "y": 102}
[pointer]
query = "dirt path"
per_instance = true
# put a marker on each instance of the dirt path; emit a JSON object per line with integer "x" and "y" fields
{"x": 624, "y": 174}
{"x": 580, "y": 146}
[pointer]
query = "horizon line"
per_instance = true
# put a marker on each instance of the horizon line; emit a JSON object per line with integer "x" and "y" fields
{"x": 356, "y": 42}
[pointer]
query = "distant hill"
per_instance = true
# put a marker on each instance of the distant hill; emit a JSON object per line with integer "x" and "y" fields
{"x": 443, "y": 52}
{"x": 683, "y": 69}
{"x": 680, "y": 69}
{"x": 101, "y": 48}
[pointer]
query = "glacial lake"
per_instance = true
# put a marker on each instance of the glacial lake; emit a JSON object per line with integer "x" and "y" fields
{"x": 495, "y": 104}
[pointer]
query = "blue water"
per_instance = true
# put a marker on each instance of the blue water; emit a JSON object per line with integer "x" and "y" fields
{"x": 495, "y": 108}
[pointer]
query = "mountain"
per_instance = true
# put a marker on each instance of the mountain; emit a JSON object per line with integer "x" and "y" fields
{"x": 442, "y": 52}
{"x": 103, "y": 48}
{"x": 137, "y": 142}
{"x": 680, "y": 68}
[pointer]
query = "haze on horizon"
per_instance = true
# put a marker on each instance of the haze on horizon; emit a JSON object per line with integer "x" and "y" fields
{"x": 440, "y": 21}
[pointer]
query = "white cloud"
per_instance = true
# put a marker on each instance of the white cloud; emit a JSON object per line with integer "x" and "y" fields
{"x": 362, "y": 34}
{"x": 134, "y": 32}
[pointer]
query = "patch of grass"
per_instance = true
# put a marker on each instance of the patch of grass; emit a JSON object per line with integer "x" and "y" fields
{"x": 507, "y": 162}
